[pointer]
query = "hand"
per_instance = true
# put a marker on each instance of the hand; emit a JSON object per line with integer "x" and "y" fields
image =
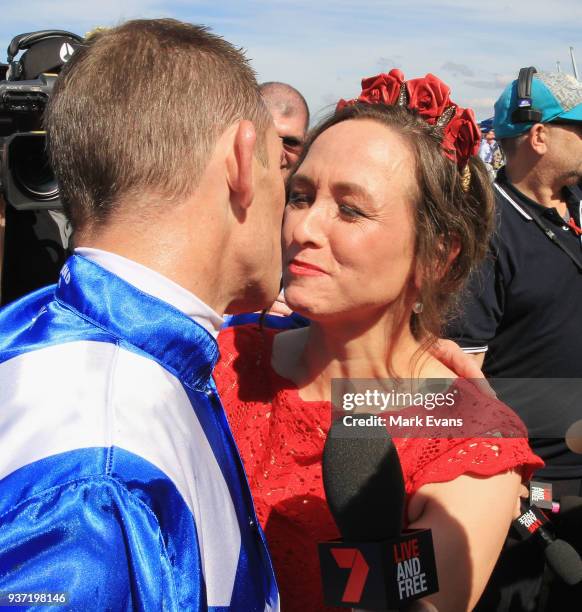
{"x": 451, "y": 355}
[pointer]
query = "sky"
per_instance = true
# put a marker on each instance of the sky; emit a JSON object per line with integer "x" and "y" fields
{"x": 325, "y": 47}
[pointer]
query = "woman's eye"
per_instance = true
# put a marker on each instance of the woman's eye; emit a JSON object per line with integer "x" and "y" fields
{"x": 297, "y": 199}
{"x": 349, "y": 212}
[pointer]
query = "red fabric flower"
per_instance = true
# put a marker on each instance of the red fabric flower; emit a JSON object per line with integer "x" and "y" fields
{"x": 343, "y": 103}
{"x": 461, "y": 137}
{"x": 382, "y": 88}
{"x": 429, "y": 96}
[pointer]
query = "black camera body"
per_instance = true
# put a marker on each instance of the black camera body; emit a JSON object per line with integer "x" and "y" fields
{"x": 26, "y": 178}
{"x": 27, "y": 181}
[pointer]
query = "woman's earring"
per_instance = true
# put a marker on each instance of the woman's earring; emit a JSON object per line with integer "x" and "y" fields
{"x": 417, "y": 307}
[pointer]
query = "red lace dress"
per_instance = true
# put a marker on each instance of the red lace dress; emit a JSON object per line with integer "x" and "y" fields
{"x": 280, "y": 438}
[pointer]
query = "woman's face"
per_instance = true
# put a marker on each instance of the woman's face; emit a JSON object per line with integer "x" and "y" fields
{"x": 348, "y": 230}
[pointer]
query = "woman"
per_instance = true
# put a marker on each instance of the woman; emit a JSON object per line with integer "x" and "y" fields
{"x": 386, "y": 215}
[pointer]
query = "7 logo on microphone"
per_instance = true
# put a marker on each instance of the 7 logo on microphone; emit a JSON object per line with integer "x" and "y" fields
{"x": 379, "y": 575}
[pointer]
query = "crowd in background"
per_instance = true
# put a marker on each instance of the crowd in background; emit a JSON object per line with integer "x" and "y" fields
{"x": 486, "y": 252}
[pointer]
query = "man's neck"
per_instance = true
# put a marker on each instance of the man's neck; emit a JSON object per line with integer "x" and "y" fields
{"x": 170, "y": 254}
{"x": 151, "y": 282}
{"x": 538, "y": 188}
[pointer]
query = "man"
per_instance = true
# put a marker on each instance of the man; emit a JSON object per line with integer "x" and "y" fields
{"x": 522, "y": 315}
{"x": 487, "y": 147}
{"x": 291, "y": 117}
{"x": 120, "y": 483}
{"x": 491, "y": 154}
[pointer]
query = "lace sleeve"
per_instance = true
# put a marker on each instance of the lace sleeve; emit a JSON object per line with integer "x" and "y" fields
{"x": 493, "y": 440}
{"x": 474, "y": 456}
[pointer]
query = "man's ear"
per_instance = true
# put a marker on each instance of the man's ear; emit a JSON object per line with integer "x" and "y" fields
{"x": 538, "y": 137}
{"x": 240, "y": 164}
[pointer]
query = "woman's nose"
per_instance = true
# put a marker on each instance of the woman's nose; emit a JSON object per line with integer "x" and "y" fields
{"x": 310, "y": 225}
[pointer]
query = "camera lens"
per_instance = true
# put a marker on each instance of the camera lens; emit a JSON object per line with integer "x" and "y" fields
{"x": 30, "y": 167}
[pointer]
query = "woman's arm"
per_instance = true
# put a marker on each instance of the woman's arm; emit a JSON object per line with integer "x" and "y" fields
{"x": 469, "y": 518}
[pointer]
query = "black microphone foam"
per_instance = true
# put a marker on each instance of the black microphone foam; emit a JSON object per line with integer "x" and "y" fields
{"x": 363, "y": 481}
{"x": 565, "y": 561}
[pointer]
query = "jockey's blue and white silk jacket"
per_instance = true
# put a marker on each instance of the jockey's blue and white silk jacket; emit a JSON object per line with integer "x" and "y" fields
{"x": 120, "y": 483}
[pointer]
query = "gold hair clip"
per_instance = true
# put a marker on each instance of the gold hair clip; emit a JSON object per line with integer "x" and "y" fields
{"x": 466, "y": 178}
{"x": 444, "y": 119}
{"x": 402, "y": 96}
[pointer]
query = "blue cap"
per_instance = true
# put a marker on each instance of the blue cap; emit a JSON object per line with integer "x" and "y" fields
{"x": 556, "y": 95}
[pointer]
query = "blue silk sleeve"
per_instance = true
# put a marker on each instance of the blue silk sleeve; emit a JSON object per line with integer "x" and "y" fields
{"x": 92, "y": 539}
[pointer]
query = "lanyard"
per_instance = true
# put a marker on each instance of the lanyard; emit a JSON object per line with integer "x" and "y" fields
{"x": 530, "y": 214}
{"x": 572, "y": 225}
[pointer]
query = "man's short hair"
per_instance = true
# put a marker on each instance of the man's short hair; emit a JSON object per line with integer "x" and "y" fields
{"x": 137, "y": 111}
{"x": 285, "y": 99}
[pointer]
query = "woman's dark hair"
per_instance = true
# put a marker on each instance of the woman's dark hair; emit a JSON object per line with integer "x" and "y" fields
{"x": 447, "y": 217}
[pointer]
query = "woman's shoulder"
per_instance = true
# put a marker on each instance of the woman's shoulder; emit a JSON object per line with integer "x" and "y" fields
{"x": 482, "y": 437}
{"x": 483, "y": 414}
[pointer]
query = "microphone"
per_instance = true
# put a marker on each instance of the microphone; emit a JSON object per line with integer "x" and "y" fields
{"x": 560, "y": 556}
{"x": 567, "y": 519}
{"x": 568, "y": 503}
{"x": 364, "y": 487}
{"x": 363, "y": 482}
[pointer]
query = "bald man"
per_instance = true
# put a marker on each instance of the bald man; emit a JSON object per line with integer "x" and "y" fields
{"x": 291, "y": 117}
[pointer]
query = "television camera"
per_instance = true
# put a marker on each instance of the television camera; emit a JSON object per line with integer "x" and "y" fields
{"x": 27, "y": 181}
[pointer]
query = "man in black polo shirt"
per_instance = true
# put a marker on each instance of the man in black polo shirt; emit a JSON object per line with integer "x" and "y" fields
{"x": 522, "y": 317}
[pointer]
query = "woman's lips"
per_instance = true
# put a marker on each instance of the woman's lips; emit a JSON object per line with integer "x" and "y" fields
{"x": 302, "y": 268}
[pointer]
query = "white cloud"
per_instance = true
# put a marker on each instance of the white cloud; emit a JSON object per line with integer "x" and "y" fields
{"x": 325, "y": 47}
{"x": 482, "y": 101}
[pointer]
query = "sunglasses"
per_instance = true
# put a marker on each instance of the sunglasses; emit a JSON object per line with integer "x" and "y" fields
{"x": 292, "y": 144}
{"x": 566, "y": 123}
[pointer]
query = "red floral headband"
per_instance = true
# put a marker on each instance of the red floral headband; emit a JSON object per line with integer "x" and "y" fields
{"x": 429, "y": 96}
